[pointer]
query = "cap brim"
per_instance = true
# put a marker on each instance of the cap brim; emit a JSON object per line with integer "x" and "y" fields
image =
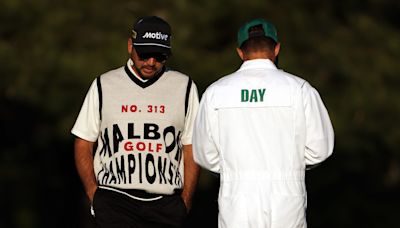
{"x": 152, "y": 49}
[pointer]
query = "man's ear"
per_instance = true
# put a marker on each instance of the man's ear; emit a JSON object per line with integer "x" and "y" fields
{"x": 240, "y": 53}
{"x": 130, "y": 45}
{"x": 277, "y": 49}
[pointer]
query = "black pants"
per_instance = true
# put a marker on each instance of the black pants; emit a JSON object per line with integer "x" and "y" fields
{"x": 116, "y": 210}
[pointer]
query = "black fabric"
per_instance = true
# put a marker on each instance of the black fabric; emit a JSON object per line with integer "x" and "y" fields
{"x": 100, "y": 95}
{"x": 152, "y": 34}
{"x": 143, "y": 194}
{"x": 116, "y": 210}
{"x": 189, "y": 86}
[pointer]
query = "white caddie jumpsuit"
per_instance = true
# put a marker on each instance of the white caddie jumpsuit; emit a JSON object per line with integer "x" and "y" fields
{"x": 259, "y": 127}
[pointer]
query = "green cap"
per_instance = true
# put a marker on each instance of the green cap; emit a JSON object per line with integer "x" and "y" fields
{"x": 269, "y": 30}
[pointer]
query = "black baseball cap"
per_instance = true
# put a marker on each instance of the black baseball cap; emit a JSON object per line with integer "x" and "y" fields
{"x": 152, "y": 34}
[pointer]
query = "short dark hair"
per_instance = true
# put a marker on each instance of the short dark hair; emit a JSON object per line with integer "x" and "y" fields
{"x": 259, "y": 43}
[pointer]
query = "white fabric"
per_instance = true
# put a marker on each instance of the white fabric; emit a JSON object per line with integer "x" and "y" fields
{"x": 142, "y": 130}
{"x": 259, "y": 127}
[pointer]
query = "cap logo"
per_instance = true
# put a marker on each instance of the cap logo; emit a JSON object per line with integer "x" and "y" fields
{"x": 134, "y": 34}
{"x": 155, "y": 35}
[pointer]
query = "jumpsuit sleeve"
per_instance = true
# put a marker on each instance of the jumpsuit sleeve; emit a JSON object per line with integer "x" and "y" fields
{"x": 205, "y": 151}
{"x": 319, "y": 130}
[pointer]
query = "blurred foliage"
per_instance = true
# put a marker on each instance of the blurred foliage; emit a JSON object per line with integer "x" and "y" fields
{"x": 50, "y": 51}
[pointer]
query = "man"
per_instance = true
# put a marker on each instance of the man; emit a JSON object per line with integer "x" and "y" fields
{"x": 140, "y": 118}
{"x": 259, "y": 128}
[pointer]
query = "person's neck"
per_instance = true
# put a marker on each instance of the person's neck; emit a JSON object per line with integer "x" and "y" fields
{"x": 134, "y": 71}
{"x": 259, "y": 55}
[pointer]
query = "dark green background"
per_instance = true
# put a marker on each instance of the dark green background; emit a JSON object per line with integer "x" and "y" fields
{"x": 50, "y": 51}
